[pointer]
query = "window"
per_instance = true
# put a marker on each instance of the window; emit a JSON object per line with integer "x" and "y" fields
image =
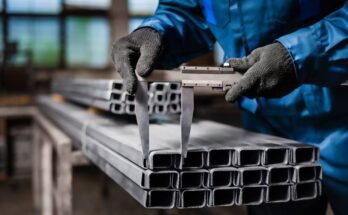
{"x": 94, "y": 4}
{"x": 88, "y": 41}
{"x": 58, "y": 33}
{"x": 37, "y": 39}
{"x": 139, "y": 10}
{"x": 142, "y": 7}
{"x": 34, "y": 6}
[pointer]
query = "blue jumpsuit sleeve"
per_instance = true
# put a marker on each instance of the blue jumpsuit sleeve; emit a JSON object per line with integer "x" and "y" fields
{"x": 184, "y": 31}
{"x": 320, "y": 51}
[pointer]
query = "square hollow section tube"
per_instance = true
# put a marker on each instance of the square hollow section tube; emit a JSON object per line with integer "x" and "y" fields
{"x": 220, "y": 157}
{"x": 252, "y": 176}
{"x": 276, "y": 156}
{"x": 304, "y": 191}
{"x": 192, "y": 198}
{"x": 194, "y": 159}
{"x": 251, "y": 195}
{"x": 248, "y": 157}
{"x": 279, "y": 174}
{"x": 223, "y": 196}
{"x": 278, "y": 193}
{"x": 223, "y": 177}
{"x": 193, "y": 179}
{"x": 306, "y": 173}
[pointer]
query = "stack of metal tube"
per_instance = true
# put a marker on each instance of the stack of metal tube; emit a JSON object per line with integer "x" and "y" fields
{"x": 110, "y": 95}
{"x": 224, "y": 166}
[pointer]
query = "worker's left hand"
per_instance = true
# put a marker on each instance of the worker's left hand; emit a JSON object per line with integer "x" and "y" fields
{"x": 268, "y": 72}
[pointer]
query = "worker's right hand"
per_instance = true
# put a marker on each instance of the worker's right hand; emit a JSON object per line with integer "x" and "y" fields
{"x": 136, "y": 52}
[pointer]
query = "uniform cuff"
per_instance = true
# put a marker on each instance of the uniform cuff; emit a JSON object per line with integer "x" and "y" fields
{"x": 303, "y": 45}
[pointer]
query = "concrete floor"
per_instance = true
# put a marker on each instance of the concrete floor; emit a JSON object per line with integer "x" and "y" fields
{"x": 93, "y": 193}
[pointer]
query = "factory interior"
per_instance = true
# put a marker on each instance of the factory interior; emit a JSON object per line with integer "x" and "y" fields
{"x": 73, "y": 141}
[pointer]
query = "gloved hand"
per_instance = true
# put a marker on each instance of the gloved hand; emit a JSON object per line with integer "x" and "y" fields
{"x": 268, "y": 72}
{"x": 136, "y": 52}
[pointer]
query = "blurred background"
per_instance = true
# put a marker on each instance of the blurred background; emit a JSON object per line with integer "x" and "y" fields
{"x": 42, "y": 40}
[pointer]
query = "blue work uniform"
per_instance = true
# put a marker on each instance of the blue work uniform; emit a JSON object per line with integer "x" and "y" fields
{"x": 315, "y": 32}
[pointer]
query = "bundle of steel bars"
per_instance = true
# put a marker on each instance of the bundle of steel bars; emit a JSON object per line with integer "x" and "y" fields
{"x": 224, "y": 166}
{"x": 109, "y": 95}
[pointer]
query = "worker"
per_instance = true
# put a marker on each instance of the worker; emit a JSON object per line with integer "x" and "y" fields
{"x": 294, "y": 56}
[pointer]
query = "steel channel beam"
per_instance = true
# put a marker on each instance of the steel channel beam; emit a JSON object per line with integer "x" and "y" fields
{"x": 251, "y": 176}
{"x": 307, "y": 172}
{"x": 279, "y": 174}
{"x": 220, "y": 157}
{"x": 123, "y": 137}
{"x": 190, "y": 179}
{"x": 251, "y": 195}
{"x": 144, "y": 178}
{"x": 223, "y": 196}
{"x": 275, "y": 154}
{"x": 195, "y": 160}
{"x": 223, "y": 177}
{"x": 278, "y": 193}
{"x": 305, "y": 190}
{"x": 192, "y": 198}
{"x": 155, "y": 198}
{"x": 102, "y": 84}
{"x": 101, "y": 104}
{"x": 247, "y": 156}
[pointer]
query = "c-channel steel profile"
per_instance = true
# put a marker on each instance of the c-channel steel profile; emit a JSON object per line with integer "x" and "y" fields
{"x": 223, "y": 196}
{"x": 278, "y": 193}
{"x": 155, "y": 198}
{"x": 274, "y": 154}
{"x": 248, "y": 156}
{"x": 251, "y": 195}
{"x": 144, "y": 178}
{"x": 105, "y": 133}
{"x": 195, "y": 160}
{"x": 251, "y": 176}
{"x": 223, "y": 177}
{"x": 301, "y": 153}
{"x": 280, "y": 174}
{"x": 307, "y": 172}
{"x": 192, "y": 198}
{"x": 306, "y": 190}
{"x": 190, "y": 179}
{"x": 220, "y": 157}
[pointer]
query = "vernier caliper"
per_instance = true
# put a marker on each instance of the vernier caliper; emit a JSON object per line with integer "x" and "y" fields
{"x": 190, "y": 77}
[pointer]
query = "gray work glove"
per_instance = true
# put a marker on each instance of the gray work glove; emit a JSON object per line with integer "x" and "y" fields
{"x": 268, "y": 72}
{"x": 136, "y": 52}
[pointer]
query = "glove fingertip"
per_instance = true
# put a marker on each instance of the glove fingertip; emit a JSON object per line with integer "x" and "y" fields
{"x": 131, "y": 85}
{"x": 230, "y": 97}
